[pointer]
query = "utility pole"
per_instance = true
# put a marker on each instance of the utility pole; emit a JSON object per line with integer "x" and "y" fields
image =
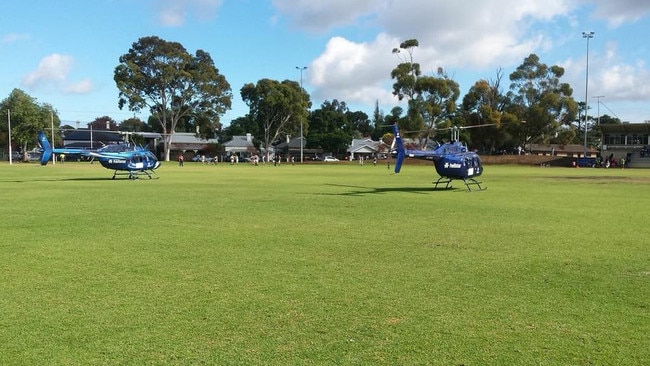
{"x": 301, "y": 68}
{"x": 588, "y": 36}
{"x": 598, "y": 108}
{"x": 11, "y": 161}
{"x": 52, "y": 126}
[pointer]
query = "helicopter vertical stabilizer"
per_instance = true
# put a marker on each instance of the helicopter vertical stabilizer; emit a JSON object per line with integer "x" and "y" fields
{"x": 401, "y": 152}
{"x": 47, "y": 148}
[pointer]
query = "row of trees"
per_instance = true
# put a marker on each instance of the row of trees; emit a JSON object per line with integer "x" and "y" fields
{"x": 185, "y": 92}
{"x": 536, "y": 108}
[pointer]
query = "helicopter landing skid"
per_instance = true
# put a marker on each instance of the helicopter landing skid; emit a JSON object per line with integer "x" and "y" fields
{"x": 468, "y": 183}
{"x": 472, "y": 181}
{"x": 445, "y": 181}
{"x": 135, "y": 174}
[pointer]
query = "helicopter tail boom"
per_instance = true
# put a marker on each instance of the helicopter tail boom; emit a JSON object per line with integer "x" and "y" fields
{"x": 48, "y": 150}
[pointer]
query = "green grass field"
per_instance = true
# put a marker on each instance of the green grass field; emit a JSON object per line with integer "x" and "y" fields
{"x": 323, "y": 264}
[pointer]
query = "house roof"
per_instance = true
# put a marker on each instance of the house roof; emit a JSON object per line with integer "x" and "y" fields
{"x": 239, "y": 144}
{"x": 365, "y": 146}
{"x": 560, "y": 149}
{"x": 294, "y": 143}
{"x": 189, "y": 141}
{"x": 190, "y": 138}
{"x": 149, "y": 135}
{"x": 97, "y": 135}
{"x": 239, "y": 141}
{"x": 625, "y": 128}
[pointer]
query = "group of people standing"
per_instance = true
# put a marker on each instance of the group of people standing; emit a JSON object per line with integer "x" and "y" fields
{"x": 611, "y": 161}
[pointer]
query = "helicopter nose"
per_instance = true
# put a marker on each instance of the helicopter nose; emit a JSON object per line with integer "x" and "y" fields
{"x": 156, "y": 165}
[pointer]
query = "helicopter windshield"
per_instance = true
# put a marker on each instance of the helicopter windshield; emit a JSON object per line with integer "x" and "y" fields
{"x": 432, "y": 145}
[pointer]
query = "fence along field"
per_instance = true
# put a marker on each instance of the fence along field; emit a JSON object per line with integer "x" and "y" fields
{"x": 323, "y": 264}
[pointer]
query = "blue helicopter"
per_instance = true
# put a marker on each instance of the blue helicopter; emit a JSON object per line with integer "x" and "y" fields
{"x": 124, "y": 159}
{"x": 452, "y": 160}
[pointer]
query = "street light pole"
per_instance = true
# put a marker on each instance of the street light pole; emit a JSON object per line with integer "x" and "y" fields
{"x": 301, "y": 68}
{"x": 587, "y": 35}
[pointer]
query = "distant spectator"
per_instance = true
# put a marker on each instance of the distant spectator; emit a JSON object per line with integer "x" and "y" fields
{"x": 180, "y": 159}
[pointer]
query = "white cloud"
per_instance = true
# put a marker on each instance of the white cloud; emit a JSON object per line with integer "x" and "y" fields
{"x": 619, "y": 12}
{"x": 174, "y": 13}
{"x": 52, "y": 73}
{"x": 472, "y": 36}
{"x": 84, "y": 86}
{"x": 320, "y": 16}
{"x": 353, "y": 72}
{"x": 618, "y": 79}
{"x": 52, "y": 68}
{"x": 14, "y": 37}
{"x": 451, "y": 36}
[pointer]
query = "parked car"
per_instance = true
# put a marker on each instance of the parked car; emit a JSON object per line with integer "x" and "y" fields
{"x": 15, "y": 156}
{"x": 34, "y": 156}
{"x": 208, "y": 159}
{"x": 330, "y": 158}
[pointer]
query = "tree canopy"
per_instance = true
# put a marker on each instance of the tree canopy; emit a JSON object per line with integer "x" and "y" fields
{"x": 104, "y": 123}
{"x": 278, "y": 108}
{"x": 431, "y": 98}
{"x": 172, "y": 84}
{"x": 539, "y": 98}
{"x": 330, "y": 127}
{"x": 27, "y": 118}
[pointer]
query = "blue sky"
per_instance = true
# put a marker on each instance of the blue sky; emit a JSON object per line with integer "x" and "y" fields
{"x": 64, "y": 52}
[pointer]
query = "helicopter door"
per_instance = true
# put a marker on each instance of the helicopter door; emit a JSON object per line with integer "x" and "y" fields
{"x": 137, "y": 162}
{"x": 469, "y": 166}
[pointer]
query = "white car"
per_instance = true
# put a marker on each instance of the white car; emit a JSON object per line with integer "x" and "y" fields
{"x": 330, "y": 158}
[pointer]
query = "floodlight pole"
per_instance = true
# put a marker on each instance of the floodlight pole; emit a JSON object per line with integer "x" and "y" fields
{"x": 301, "y": 68}
{"x": 588, "y": 36}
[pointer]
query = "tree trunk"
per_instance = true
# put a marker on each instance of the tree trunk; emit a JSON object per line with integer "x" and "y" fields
{"x": 167, "y": 145}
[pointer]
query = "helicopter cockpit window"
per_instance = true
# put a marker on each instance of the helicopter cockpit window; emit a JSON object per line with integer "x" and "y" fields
{"x": 115, "y": 148}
